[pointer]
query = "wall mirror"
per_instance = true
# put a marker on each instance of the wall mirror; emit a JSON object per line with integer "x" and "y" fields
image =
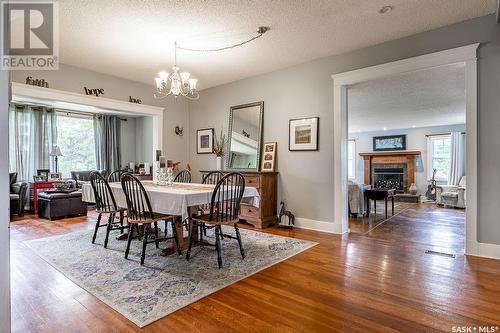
{"x": 245, "y": 136}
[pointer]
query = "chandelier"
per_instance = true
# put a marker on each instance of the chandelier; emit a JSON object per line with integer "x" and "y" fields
{"x": 181, "y": 83}
{"x": 176, "y": 83}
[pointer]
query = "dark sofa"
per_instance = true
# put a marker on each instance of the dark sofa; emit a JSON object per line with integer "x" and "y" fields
{"x": 79, "y": 176}
{"x": 17, "y": 195}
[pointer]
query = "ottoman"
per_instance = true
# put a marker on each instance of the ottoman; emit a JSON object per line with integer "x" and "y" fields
{"x": 54, "y": 205}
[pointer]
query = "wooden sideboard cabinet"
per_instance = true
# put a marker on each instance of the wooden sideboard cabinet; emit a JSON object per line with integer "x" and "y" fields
{"x": 266, "y": 184}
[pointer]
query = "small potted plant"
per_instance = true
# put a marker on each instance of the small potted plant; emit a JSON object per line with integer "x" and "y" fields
{"x": 219, "y": 148}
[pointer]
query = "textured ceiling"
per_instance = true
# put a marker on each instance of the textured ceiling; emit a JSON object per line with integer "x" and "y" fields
{"x": 430, "y": 97}
{"x": 134, "y": 39}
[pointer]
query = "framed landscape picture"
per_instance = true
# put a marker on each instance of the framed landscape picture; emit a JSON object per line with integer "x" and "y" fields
{"x": 269, "y": 157}
{"x": 303, "y": 134}
{"x": 389, "y": 142}
{"x": 205, "y": 141}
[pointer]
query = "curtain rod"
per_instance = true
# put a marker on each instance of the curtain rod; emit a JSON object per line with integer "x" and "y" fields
{"x": 438, "y": 134}
{"x": 58, "y": 110}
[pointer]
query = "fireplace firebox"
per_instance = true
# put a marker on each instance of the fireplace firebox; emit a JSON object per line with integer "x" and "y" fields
{"x": 389, "y": 177}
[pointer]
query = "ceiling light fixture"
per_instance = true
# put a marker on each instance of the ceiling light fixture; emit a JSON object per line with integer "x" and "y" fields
{"x": 385, "y": 9}
{"x": 181, "y": 83}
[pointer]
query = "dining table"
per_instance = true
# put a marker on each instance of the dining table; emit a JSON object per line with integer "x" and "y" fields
{"x": 181, "y": 200}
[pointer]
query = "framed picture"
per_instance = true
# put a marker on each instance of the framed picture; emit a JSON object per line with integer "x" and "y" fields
{"x": 43, "y": 174}
{"x": 269, "y": 157}
{"x": 303, "y": 134}
{"x": 205, "y": 141}
{"x": 389, "y": 142}
{"x": 55, "y": 176}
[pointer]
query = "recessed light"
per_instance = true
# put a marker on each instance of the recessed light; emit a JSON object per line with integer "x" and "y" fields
{"x": 385, "y": 9}
{"x": 385, "y": 128}
{"x": 414, "y": 126}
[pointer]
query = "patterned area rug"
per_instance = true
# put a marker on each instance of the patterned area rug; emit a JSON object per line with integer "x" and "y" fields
{"x": 144, "y": 294}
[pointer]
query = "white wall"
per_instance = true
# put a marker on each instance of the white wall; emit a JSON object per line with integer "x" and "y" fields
{"x": 415, "y": 140}
{"x": 4, "y": 206}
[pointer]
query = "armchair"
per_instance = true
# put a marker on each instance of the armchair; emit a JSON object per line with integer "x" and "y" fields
{"x": 356, "y": 195}
{"x": 17, "y": 195}
{"x": 452, "y": 195}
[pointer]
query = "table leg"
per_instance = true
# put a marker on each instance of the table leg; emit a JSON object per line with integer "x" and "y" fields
{"x": 385, "y": 201}
{"x": 35, "y": 199}
{"x": 367, "y": 207}
{"x": 183, "y": 241}
{"x": 392, "y": 205}
{"x": 375, "y": 206}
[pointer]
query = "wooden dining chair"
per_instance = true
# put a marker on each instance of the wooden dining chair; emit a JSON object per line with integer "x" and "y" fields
{"x": 183, "y": 176}
{"x": 224, "y": 210}
{"x": 212, "y": 178}
{"x": 115, "y": 176}
{"x": 139, "y": 211}
{"x": 105, "y": 203}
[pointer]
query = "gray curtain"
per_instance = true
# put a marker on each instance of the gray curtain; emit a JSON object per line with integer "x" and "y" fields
{"x": 107, "y": 142}
{"x": 457, "y": 158}
{"x": 32, "y": 134}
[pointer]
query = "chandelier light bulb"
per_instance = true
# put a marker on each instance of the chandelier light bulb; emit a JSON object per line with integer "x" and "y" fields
{"x": 192, "y": 84}
{"x": 163, "y": 75}
{"x": 185, "y": 76}
{"x": 158, "y": 82}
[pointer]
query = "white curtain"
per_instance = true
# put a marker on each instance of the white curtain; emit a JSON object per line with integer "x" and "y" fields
{"x": 32, "y": 134}
{"x": 457, "y": 158}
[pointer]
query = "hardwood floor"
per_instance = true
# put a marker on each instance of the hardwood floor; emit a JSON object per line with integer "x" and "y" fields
{"x": 350, "y": 283}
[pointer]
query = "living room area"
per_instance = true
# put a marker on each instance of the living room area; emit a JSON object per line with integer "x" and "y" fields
{"x": 55, "y": 147}
{"x": 406, "y": 158}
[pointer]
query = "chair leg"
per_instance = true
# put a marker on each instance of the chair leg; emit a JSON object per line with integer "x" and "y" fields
{"x": 145, "y": 242}
{"x": 138, "y": 232}
{"x": 96, "y": 227}
{"x": 218, "y": 246}
{"x": 121, "y": 222}
{"x": 156, "y": 236}
{"x": 176, "y": 238}
{"x": 191, "y": 239}
{"x": 108, "y": 229}
{"x": 129, "y": 240}
{"x": 238, "y": 236}
{"x": 201, "y": 231}
{"x": 204, "y": 229}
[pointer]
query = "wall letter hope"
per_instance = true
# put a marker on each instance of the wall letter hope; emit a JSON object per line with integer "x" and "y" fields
{"x": 96, "y": 92}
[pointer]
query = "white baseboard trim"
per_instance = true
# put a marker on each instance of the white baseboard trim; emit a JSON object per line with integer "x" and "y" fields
{"x": 323, "y": 226}
{"x": 485, "y": 250}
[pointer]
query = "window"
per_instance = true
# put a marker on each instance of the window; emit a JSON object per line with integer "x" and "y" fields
{"x": 75, "y": 137}
{"x": 351, "y": 159}
{"x": 439, "y": 156}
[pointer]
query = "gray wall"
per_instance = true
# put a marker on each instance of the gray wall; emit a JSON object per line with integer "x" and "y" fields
{"x": 306, "y": 178}
{"x": 415, "y": 140}
{"x": 4, "y": 209}
{"x": 70, "y": 78}
{"x": 128, "y": 141}
{"x": 144, "y": 128}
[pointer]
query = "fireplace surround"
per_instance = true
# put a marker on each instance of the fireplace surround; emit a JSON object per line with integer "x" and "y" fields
{"x": 390, "y": 169}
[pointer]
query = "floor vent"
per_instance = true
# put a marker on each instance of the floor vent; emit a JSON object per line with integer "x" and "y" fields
{"x": 449, "y": 255}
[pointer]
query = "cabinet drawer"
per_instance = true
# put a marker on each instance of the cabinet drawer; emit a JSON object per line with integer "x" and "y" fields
{"x": 249, "y": 211}
{"x": 252, "y": 181}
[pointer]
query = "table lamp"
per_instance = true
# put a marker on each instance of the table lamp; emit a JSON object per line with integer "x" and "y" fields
{"x": 56, "y": 152}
